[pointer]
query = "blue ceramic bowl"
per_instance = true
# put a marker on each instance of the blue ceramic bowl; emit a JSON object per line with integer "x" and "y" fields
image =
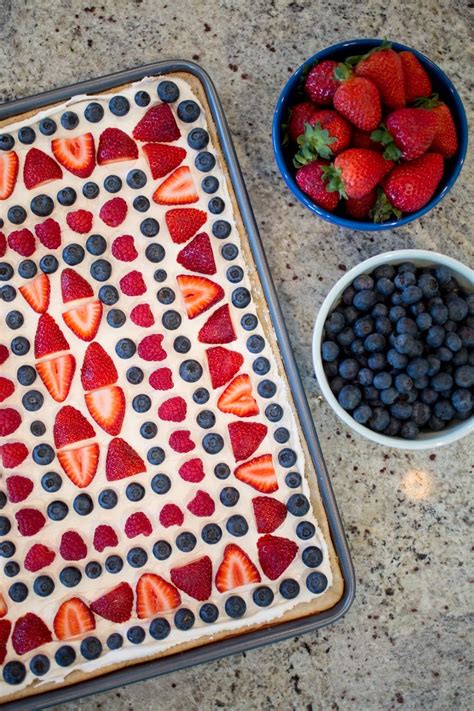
{"x": 291, "y": 95}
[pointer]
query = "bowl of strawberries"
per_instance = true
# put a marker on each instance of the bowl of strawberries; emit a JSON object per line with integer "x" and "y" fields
{"x": 369, "y": 134}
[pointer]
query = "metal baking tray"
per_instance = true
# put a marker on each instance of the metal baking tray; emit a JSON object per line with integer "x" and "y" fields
{"x": 276, "y": 632}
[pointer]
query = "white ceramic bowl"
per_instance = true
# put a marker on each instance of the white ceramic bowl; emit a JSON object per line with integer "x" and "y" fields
{"x": 422, "y": 258}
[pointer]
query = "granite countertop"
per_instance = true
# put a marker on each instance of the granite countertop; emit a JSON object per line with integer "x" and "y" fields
{"x": 404, "y": 642}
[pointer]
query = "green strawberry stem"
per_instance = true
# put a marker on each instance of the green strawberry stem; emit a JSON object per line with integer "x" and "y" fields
{"x": 314, "y": 143}
{"x": 333, "y": 178}
{"x": 383, "y": 136}
{"x": 356, "y": 58}
{"x": 383, "y": 209}
{"x": 343, "y": 72}
{"x": 428, "y": 103}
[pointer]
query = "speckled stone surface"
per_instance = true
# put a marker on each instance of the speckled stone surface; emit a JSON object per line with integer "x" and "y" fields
{"x": 405, "y": 641}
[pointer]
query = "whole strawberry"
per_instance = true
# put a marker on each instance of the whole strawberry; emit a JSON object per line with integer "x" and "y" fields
{"x": 359, "y": 208}
{"x": 326, "y": 136}
{"x": 301, "y": 114}
{"x": 445, "y": 139}
{"x": 409, "y": 133}
{"x": 410, "y": 186}
{"x": 356, "y": 172}
{"x": 417, "y": 80}
{"x": 310, "y": 179}
{"x": 383, "y": 67}
{"x": 320, "y": 84}
{"x": 357, "y": 99}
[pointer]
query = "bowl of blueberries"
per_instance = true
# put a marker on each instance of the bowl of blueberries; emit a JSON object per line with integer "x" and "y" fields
{"x": 393, "y": 349}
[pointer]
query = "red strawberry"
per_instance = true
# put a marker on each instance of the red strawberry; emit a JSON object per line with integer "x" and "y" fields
{"x": 199, "y": 293}
{"x": 98, "y": 368}
{"x": 48, "y": 338}
{"x": 22, "y": 241}
{"x": 104, "y": 537}
{"x": 29, "y": 521}
{"x": 269, "y": 513}
{"x": 417, "y": 80}
{"x": 39, "y": 168}
{"x": 173, "y": 410}
{"x": 114, "y": 146}
{"x": 358, "y": 100}
{"x": 235, "y": 570}
{"x": 6, "y": 388}
{"x": 356, "y": 172}
{"x": 237, "y": 398}
{"x": 311, "y": 179}
{"x": 138, "y": 524}
{"x": 409, "y": 133}
{"x": 150, "y": 348}
{"x": 72, "y": 547}
{"x": 202, "y": 504}
{"x": 3, "y": 242}
{"x": 132, "y": 284}
{"x": 84, "y": 321}
{"x": 181, "y": 441}
{"x": 218, "y": 327}
{"x": 154, "y": 595}
{"x": 36, "y": 292}
{"x": 359, "y": 208}
{"x": 161, "y": 379}
{"x": 258, "y": 473}
{"x": 192, "y": 470}
{"x": 122, "y": 460}
{"x": 74, "y": 286}
{"x": 18, "y": 488}
{"x": 3, "y": 632}
{"x": 13, "y": 454}
{"x": 362, "y": 139}
{"x": 195, "y": 579}
{"x": 10, "y": 420}
{"x": 245, "y": 438}
{"x": 383, "y": 66}
{"x": 158, "y": 125}
{"x": 8, "y": 174}
{"x": 123, "y": 248}
{"x": 38, "y": 557}
{"x": 76, "y": 154}
{"x": 114, "y": 212}
{"x": 73, "y": 619}
{"x": 409, "y": 186}
{"x": 275, "y": 554}
{"x": 5, "y": 627}
{"x": 80, "y": 221}
{"x": 301, "y": 114}
{"x": 70, "y": 426}
{"x": 171, "y": 515}
{"x": 107, "y": 407}
{"x": 162, "y": 158}
{"x": 29, "y": 633}
{"x": 326, "y": 136}
{"x": 80, "y": 465}
{"x": 177, "y": 189}
{"x": 446, "y": 139}
{"x": 49, "y": 233}
{"x": 321, "y": 84}
{"x": 115, "y": 605}
{"x": 57, "y": 375}
{"x": 141, "y": 315}
{"x": 4, "y": 353}
{"x": 223, "y": 365}
{"x": 197, "y": 255}
{"x": 184, "y": 222}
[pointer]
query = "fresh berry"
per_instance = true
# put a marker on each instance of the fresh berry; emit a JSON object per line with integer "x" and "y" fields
{"x": 154, "y": 595}
{"x": 37, "y": 292}
{"x": 7, "y": 388}
{"x": 356, "y": 172}
{"x": 327, "y": 135}
{"x": 123, "y": 248}
{"x": 202, "y": 504}
{"x": 409, "y": 186}
{"x": 132, "y": 284}
{"x": 409, "y": 134}
{"x": 417, "y": 80}
{"x": 18, "y": 488}
{"x": 29, "y": 632}
{"x": 177, "y": 189}
{"x": 245, "y": 438}
{"x": 195, "y": 579}
{"x": 22, "y": 241}
{"x": 162, "y": 158}
{"x": 71, "y": 426}
{"x": 98, "y": 368}
{"x": 80, "y": 221}
{"x": 76, "y": 154}
{"x": 80, "y": 465}
{"x": 122, "y": 460}
{"x": 181, "y": 441}
{"x": 171, "y": 515}
{"x": 38, "y": 557}
{"x": 141, "y": 315}
{"x": 237, "y": 398}
{"x": 5, "y": 628}
{"x": 114, "y": 146}
{"x": 74, "y": 286}
{"x": 3, "y": 244}
{"x": 184, "y": 222}
{"x": 138, "y": 524}
{"x": 235, "y": 570}
{"x": 158, "y": 125}
{"x": 39, "y": 168}
{"x": 360, "y": 208}
{"x": 10, "y": 420}
{"x": 8, "y": 174}
{"x": 72, "y": 547}
{"x": 223, "y": 365}
{"x": 48, "y": 338}
{"x": 104, "y": 537}
{"x": 3, "y": 354}
{"x": 29, "y": 521}
{"x": 173, "y": 410}
{"x": 259, "y": 473}
{"x": 114, "y": 212}
{"x": 161, "y": 379}
{"x": 269, "y": 513}
{"x": 73, "y": 619}
{"x": 192, "y": 470}
{"x": 358, "y": 100}
{"x": 301, "y": 114}
{"x": 197, "y": 255}
{"x": 275, "y": 554}
{"x": 383, "y": 66}
{"x": 445, "y": 140}
{"x": 107, "y": 407}
{"x": 150, "y": 348}
{"x": 13, "y": 454}
{"x": 218, "y": 327}
{"x": 362, "y": 139}
{"x": 199, "y": 293}
{"x": 84, "y": 321}
{"x": 116, "y": 605}
{"x": 320, "y": 84}
{"x": 310, "y": 178}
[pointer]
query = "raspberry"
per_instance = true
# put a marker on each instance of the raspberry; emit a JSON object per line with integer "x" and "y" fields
{"x": 4, "y": 353}
{"x": 72, "y": 546}
{"x": 3, "y": 244}
{"x": 29, "y": 521}
{"x": 141, "y": 315}
{"x": 150, "y": 348}
{"x": 113, "y": 212}
{"x": 123, "y": 248}
{"x": 171, "y": 515}
{"x": 49, "y": 233}
{"x": 138, "y": 524}
{"x": 13, "y": 454}
{"x": 80, "y": 221}
{"x": 161, "y": 379}
{"x": 132, "y": 284}
{"x": 22, "y": 242}
{"x": 173, "y": 410}
{"x": 38, "y": 557}
{"x": 10, "y": 420}
{"x": 6, "y": 388}
{"x": 18, "y": 488}
{"x": 192, "y": 470}
{"x": 202, "y": 504}
{"x": 181, "y": 442}
{"x": 104, "y": 536}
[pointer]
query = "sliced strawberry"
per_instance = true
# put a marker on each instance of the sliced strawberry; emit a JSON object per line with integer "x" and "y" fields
{"x": 10, "y": 420}
{"x": 114, "y": 146}
{"x": 142, "y": 315}
{"x": 29, "y": 521}
{"x": 49, "y": 337}
{"x": 132, "y": 284}
{"x": 184, "y": 222}
{"x": 115, "y": 605}
{"x": 245, "y": 438}
{"x": 74, "y": 286}
{"x": 104, "y": 537}
{"x": 18, "y": 488}
{"x": 171, "y": 515}
{"x": 22, "y": 242}
{"x": 202, "y": 504}
{"x": 3, "y": 612}
{"x": 138, "y": 524}
{"x": 8, "y": 174}
{"x": 70, "y": 426}
{"x": 5, "y": 628}
{"x": 195, "y": 579}
{"x": 114, "y": 212}
{"x": 84, "y": 321}
{"x": 177, "y": 189}
{"x": 39, "y": 168}
{"x": 76, "y": 154}
{"x": 180, "y": 441}
{"x": 3, "y": 242}
{"x": 29, "y": 633}
{"x": 98, "y": 368}
{"x": 161, "y": 379}
{"x": 7, "y": 388}
{"x": 192, "y": 470}
{"x": 223, "y": 365}
{"x": 13, "y": 454}
{"x": 57, "y": 375}
{"x": 275, "y": 554}
{"x": 162, "y": 158}
{"x": 107, "y": 407}
{"x": 269, "y": 513}
{"x": 122, "y": 460}
{"x": 154, "y": 594}
{"x": 49, "y": 233}
{"x": 218, "y": 327}
{"x": 72, "y": 546}
{"x": 158, "y": 125}
{"x": 73, "y": 619}
{"x": 80, "y": 465}
{"x": 258, "y": 473}
{"x": 197, "y": 255}
{"x": 173, "y": 410}
{"x": 150, "y": 348}
{"x": 38, "y": 557}
{"x": 123, "y": 248}
{"x": 237, "y": 398}
{"x": 235, "y": 570}
{"x": 80, "y": 221}
{"x": 199, "y": 293}
{"x": 36, "y": 292}
{"x": 4, "y": 353}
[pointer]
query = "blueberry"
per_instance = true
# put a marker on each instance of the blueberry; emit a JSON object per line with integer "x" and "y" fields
{"x": 188, "y": 111}
{"x": 6, "y": 142}
{"x": 405, "y": 344}
{"x": 403, "y": 383}
{"x": 184, "y": 619}
{"x": 222, "y": 471}
{"x": 409, "y": 430}
{"x": 211, "y": 533}
{"x": 383, "y": 325}
{"x": 48, "y": 264}
{"x": 16, "y": 214}
{"x": 73, "y": 254}
{"x": 348, "y": 369}
{"x": 453, "y": 342}
{"x": 14, "y": 320}
{"x": 113, "y": 564}
{"x": 335, "y": 323}
{"x": 200, "y": 396}
{"x": 439, "y": 313}
{"x": 168, "y": 91}
{"x": 464, "y": 376}
{"x": 206, "y": 419}
{"x": 11, "y": 569}
{"x": 363, "y": 326}
{"x": 329, "y": 351}
{"x": 382, "y": 381}
{"x": 249, "y": 322}
{"x": 305, "y": 530}
{"x": 65, "y": 656}
{"x": 141, "y": 403}
{"x": 155, "y": 456}
{"x": 190, "y": 371}
{"x": 458, "y": 308}
{"x": 90, "y": 190}
{"x": 96, "y": 245}
{"x": 116, "y": 318}
{"x": 57, "y": 510}
{"x": 20, "y": 346}
{"x": 298, "y": 505}
{"x": 216, "y": 206}
{"x": 462, "y": 400}
{"x": 119, "y": 105}
{"x": 42, "y": 205}
{"x": 210, "y": 184}
{"x": 396, "y": 313}
{"x": 349, "y": 397}
{"x": 261, "y": 366}
{"x": 289, "y": 589}
{"x": 136, "y": 179}
{"x": 166, "y": 295}
{"x": 137, "y": 557}
{"x": 161, "y": 550}
{"x": 365, "y": 377}
{"x": 235, "y": 606}
{"x": 364, "y": 300}
{"x": 161, "y": 484}
{"x": 422, "y": 382}
{"x": 149, "y": 227}
{"x": 229, "y": 496}
{"x": 444, "y": 410}
{"x": 108, "y": 499}
{"x": 351, "y": 315}
{"x": 113, "y": 183}
{"x": 393, "y": 427}
{"x": 379, "y": 420}
{"x": 159, "y": 628}
{"x": 401, "y": 410}
{"x": 135, "y": 492}
{"x": 148, "y": 430}
{"x": 429, "y": 396}
{"x": 316, "y": 582}
{"x": 385, "y": 286}
{"x": 94, "y": 112}
{"x": 108, "y": 294}
{"x": 182, "y": 344}
{"x": 91, "y": 648}
{"x": 221, "y": 229}
{"x": 312, "y": 556}
{"x": 5, "y": 526}
{"x": 274, "y": 412}
{"x": 441, "y": 382}
{"x": 51, "y": 482}
{"x": 237, "y": 525}
{"x": 114, "y": 641}
{"x": 135, "y": 375}
{"x": 421, "y": 413}
{"x": 266, "y": 388}
{"x": 37, "y": 428}
{"x": 40, "y": 665}
{"x": 7, "y": 548}
{"x": 69, "y": 120}
{"x": 434, "y": 365}
{"x": 125, "y": 348}
{"x": 435, "y": 424}
{"x": 198, "y": 138}
{"x": 171, "y": 320}
{"x": 93, "y": 569}
{"x": 235, "y": 274}
{"x": 70, "y": 576}
{"x": 186, "y": 541}
{"x": 213, "y": 443}
{"x": 26, "y": 135}
{"x": 411, "y": 295}
{"x": 8, "y": 292}
{"x": 141, "y": 204}
{"x": 159, "y": 275}
{"x": 362, "y": 414}
{"x": 32, "y": 400}
{"x": 336, "y": 384}
{"x": 43, "y": 585}
{"x": 14, "y": 672}
{"x": 47, "y": 126}
{"x": 155, "y": 252}
{"x": 83, "y": 504}
{"x": 43, "y": 454}
{"x": 388, "y": 396}
{"x": 428, "y": 285}
{"x": 208, "y": 612}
